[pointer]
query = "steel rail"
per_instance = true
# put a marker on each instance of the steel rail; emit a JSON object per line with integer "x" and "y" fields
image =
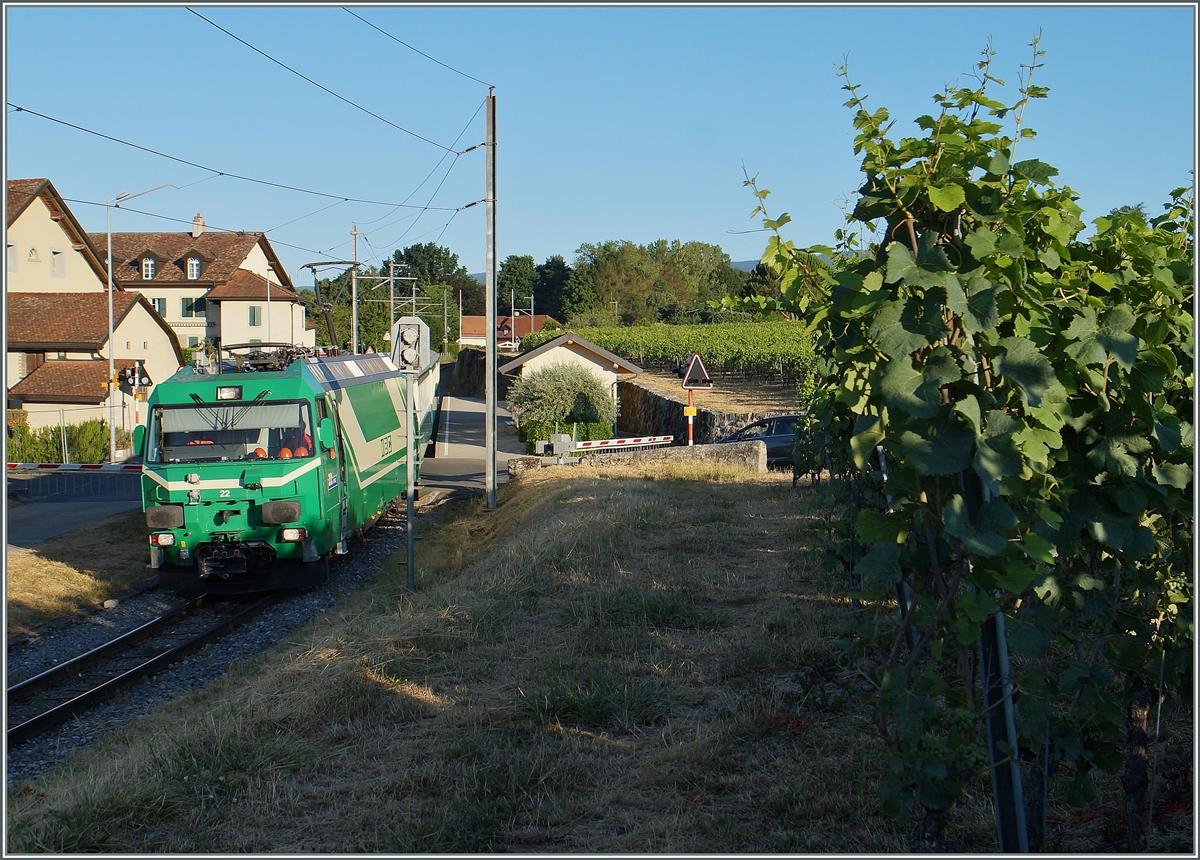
{"x": 63, "y": 712}
{"x": 41, "y": 681}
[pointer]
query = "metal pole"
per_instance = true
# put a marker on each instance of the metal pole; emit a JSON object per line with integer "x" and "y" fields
{"x": 112, "y": 371}
{"x": 354, "y": 291}
{"x": 392, "y": 295}
{"x": 489, "y": 466}
{"x": 410, "y": 525}
{"x": 691, "y": 407}
{"x": 445, "y": 321}
{"x": 269, "y": 339}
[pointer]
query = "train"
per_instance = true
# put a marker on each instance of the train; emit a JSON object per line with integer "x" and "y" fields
{"x": 260, "y": 464}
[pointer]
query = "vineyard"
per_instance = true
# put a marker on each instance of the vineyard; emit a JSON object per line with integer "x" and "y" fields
{"x": 780, "y": 348}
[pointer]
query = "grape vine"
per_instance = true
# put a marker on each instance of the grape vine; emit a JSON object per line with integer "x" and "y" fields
{"x": 1028, "y": 395}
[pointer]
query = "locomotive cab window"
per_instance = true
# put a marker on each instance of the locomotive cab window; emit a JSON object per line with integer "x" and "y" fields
{"x": 205, "y": 433}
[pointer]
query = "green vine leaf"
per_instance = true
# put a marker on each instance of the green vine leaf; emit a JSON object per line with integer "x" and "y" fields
{"x": 1023, "y": 363}
{"x": 939, "y": 449}
{"x": 895, "y": 340}
{"x": 919, "y": 392}
{"x": 881, "y": 564}
{"x": 1097, "y": 337}
{"x": 1035, "y": 171}
{"x": 947, "y": 197}
{"x": 983, "y": 537}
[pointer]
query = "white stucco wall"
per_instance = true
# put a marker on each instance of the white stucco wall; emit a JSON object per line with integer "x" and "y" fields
{"x": 286, "y": 322}
{"x": 573, "y": 354}
{"x": 58, "y": 267}
{"x": 139, "y": 337}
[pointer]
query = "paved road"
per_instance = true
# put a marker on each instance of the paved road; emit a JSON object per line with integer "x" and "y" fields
{"x": 458, "y": 460}
{"x": 457, "y": 466}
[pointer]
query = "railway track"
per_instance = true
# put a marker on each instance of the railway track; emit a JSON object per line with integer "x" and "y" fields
{"x": 50, "y": 698}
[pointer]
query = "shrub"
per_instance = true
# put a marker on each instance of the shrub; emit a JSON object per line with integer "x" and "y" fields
{"x": 87, "y": 442}
{"x": 531, "y": 432}
{"x": 563, "y": 393}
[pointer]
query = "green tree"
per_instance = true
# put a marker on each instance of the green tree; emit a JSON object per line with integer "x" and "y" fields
{"x": 552, "y": 278}
{"x": 515, "y": 280}
{"x": 580, "y": 296}
{"x": 434, "y": 265}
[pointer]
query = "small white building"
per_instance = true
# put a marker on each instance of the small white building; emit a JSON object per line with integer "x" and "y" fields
{"x": 570, "y": 348}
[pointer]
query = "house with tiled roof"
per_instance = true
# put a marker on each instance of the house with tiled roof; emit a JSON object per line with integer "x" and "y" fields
{"x": 218, "y": 286}
{"x": 57, "y": 309}
{"x": 509, "y": 330}
{"x": 570, "y": 348}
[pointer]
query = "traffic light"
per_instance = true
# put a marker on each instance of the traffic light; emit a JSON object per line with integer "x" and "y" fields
{"x": 134, "y": 377}
{"x": 410, "y": 343}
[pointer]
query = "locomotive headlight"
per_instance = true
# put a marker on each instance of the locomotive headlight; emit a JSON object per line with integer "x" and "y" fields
{"x": 229, "y": 392}
{"x": 166, "y": 539}
{"x": 293, "y": 535}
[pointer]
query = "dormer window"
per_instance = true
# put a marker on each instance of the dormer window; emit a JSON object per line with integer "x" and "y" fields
{"x": 147, "y": 268}
{"x": 193, "y": 268}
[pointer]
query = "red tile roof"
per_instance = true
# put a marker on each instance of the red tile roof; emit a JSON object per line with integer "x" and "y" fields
{"x": 68, "y": 381}
{"x": 244, "y": 285}
{"x": 22, "y": 192}
{"x": 221, "y": 255}
{"x": 477, "y": 326}
{"x": 41, "y": 321}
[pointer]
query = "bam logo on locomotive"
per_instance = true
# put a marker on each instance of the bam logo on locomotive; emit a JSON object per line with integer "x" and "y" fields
{"x": 370, "y": 414}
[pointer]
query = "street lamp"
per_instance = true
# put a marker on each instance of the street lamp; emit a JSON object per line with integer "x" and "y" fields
{"x": 112, "y": 370}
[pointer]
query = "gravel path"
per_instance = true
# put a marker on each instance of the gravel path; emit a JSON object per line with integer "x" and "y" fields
{"x": 58, "y": 642}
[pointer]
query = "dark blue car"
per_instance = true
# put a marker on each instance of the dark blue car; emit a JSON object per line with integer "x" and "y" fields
{"x": 779, "y": 434}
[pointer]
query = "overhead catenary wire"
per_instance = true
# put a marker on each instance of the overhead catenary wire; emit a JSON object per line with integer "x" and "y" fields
{"x": 457, "y": 155}
{"x": 339, "y": 197}
{"x": 206, "y": 226}
{"x": 319, "y": 86}
{"x": 411, "y": 48}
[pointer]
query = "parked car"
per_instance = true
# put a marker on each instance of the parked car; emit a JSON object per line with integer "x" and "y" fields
{"x": 779, "y": 434}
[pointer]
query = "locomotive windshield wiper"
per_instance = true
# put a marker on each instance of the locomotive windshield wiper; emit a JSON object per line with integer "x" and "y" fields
{"x": 237, "y": 416}
{"x": 207, "y": 411}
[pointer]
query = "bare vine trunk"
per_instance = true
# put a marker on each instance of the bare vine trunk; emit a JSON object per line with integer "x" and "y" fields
{"x": 1136, "y": 778}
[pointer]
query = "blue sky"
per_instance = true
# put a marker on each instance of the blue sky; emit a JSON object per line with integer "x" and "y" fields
{"x": 612, "y": 122}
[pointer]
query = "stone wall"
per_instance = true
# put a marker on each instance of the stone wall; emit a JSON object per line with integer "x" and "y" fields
{"x": 644, "y": 412}
{"x": 742, "y": 455}
{"x": 470, "y": 370}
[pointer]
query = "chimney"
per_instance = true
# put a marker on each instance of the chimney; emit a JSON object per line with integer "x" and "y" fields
{"x": 197, "y": 226}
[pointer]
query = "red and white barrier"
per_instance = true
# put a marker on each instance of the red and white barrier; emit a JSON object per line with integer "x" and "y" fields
{"x": 633, "y": 442}
{"x": 78, "y": 467}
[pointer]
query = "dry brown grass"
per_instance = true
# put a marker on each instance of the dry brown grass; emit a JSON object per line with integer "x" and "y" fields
{"x": 75, "y": 571}
{"x": 616, "y": 660}
{"x": 744, "y": 396}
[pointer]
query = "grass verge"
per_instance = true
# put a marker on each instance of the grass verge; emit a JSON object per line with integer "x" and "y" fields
{"x": 75, "y": 570}
{"x": 615, "y": 661}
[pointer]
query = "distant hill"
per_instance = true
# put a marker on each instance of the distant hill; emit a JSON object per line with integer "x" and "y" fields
{"x": 480, "y": 278}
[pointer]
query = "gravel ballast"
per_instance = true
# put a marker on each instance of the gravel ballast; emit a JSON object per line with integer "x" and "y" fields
{"x": 58, "y": 642}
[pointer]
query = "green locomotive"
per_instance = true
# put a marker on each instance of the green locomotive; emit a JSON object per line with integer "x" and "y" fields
{"x": 256, "y": 470}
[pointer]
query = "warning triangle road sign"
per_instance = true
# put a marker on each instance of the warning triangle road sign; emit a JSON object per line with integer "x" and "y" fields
{"x": 696, "y": 376}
